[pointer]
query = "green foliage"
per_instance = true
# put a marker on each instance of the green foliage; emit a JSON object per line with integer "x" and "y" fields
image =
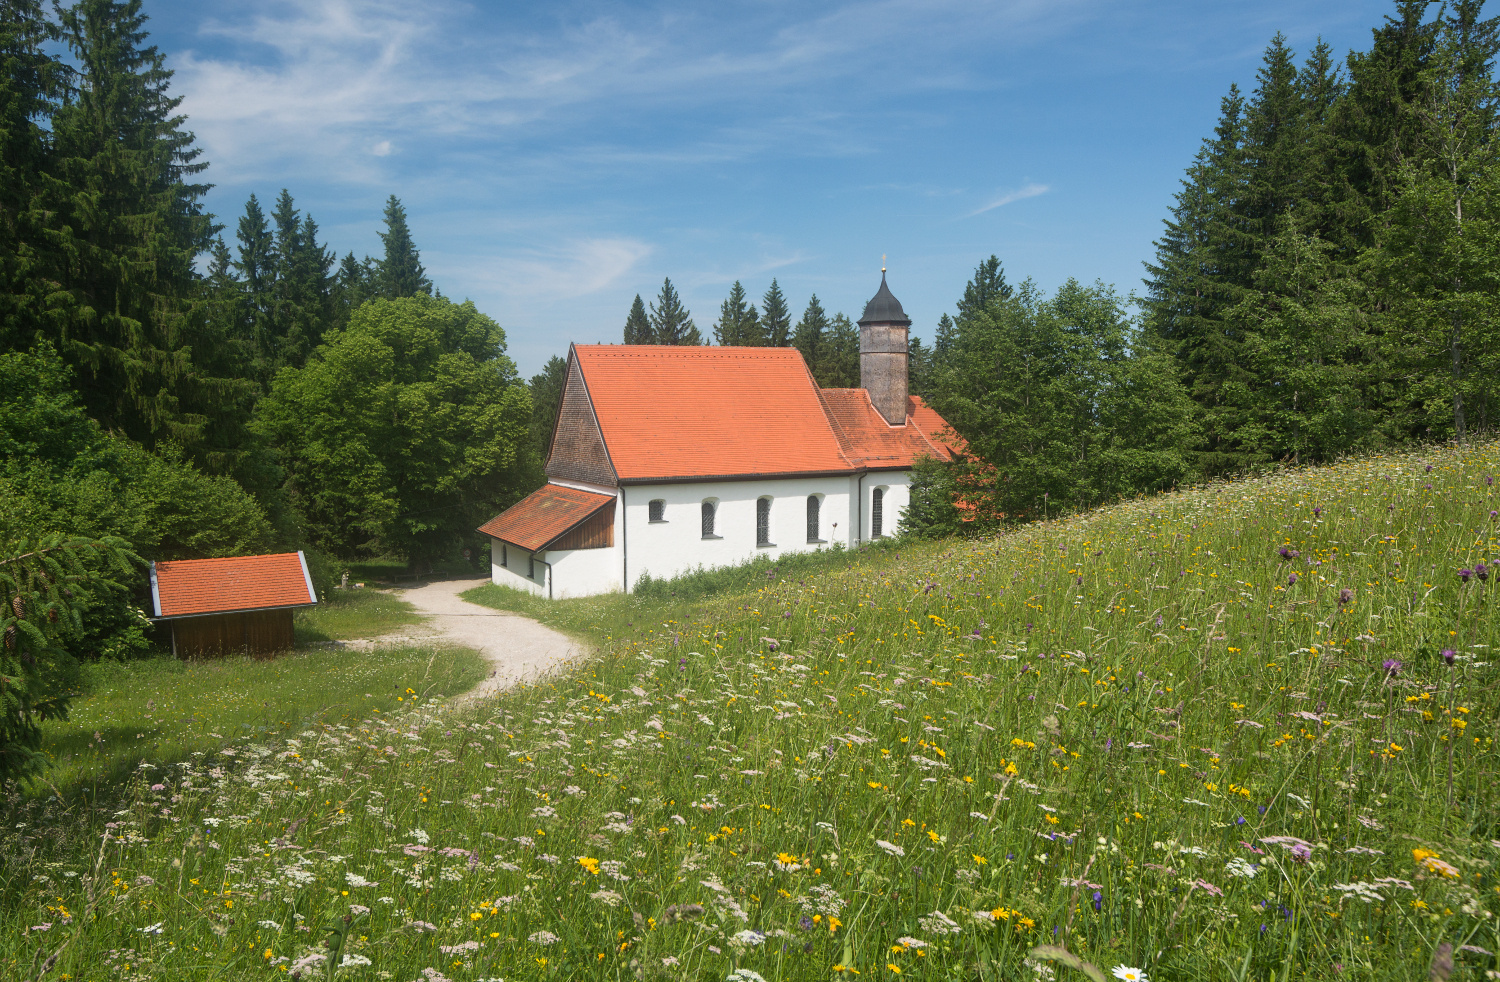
{"x": 1324, "y": 280}
{"x": 404, "y": 431}
{"x": 671, "y": 322}
{"x": 43, "y": 585}
{"x": 546, "y": 397}
{"x": 1065, "y": 400}
{"x": 400, "y": 273}
{"x": 775, "y": 317}
{"x": 637, "y": 324}
{"x": 739, "y": 323}
{"x": 128, "y": 230}
{"x": 932, "y": 512}
{"x": 810, "y": 338}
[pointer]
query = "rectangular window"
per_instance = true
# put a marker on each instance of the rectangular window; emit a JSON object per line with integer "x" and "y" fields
{"x": 658, "y": 510}
{"x": 504, "y": 556}
{"x": 708, "y": 520}
{"x": 763, "y": 522}
{"x": 530, "y": 567}
{"x": 877, "y": 512}
{"x": 813, "y": 506}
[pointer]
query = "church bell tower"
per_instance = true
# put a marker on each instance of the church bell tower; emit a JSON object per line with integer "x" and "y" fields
{"x": 883, "y": 354}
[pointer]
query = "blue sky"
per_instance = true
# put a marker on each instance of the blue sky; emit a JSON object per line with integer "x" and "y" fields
{"x": 557, "y": 158}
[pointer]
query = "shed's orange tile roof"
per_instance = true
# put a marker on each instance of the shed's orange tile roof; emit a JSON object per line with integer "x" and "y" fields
{"x": 188, "y": 587}
{"x": 872, "y": 442}
{"x": 543, "y": 515}
{"x": 680, "y": 412}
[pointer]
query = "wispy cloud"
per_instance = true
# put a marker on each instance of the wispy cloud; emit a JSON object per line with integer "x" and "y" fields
{"x": 1030, "y": 190}
{"x": 570, "y": 269}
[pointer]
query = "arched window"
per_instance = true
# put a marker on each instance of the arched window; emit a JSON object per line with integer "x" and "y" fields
{"x": 763, "y": 522}
{"x": 709, "y": 507}
{"x": 814, "y": 505}
{"x": 658, "y": 510}
{"x": 877, "y": 512}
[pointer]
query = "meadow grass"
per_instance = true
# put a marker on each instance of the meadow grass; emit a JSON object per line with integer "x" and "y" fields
{"x": 163, "y": 710}
{"x": 1243, "y": 731}
{"x": 347, "y": 614}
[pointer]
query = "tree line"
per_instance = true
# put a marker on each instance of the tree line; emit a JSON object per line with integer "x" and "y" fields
{"x": 191, "y": 390}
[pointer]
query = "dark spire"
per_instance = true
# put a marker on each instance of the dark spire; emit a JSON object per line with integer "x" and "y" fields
{"x": 884, "y": 308}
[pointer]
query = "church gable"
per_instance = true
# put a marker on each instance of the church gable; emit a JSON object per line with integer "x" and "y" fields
{"x": 578, "y": 451}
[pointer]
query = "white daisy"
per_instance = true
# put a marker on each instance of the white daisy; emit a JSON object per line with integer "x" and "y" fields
{"x": 1130, "y": 974}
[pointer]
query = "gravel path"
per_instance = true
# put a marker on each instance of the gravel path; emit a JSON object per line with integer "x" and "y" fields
{"x": 517, "y": 648}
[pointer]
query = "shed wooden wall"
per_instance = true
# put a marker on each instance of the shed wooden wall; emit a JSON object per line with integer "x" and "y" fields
{"x": 256, "y": 632}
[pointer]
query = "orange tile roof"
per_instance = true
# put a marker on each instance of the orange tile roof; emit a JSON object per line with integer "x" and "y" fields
{"x": 872, "y": 442}
{"x": 190, "y": 587}
{"x": 543, "y": 515}
{"x": 687, "y": 412}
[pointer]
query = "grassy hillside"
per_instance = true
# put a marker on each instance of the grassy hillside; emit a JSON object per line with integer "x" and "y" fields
{"x": 1238, "y": 732}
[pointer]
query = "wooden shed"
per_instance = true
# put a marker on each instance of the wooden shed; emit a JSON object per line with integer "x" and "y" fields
{"x": 238, "y": 605}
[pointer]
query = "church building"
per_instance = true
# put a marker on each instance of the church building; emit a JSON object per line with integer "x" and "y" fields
{"x": 667, "y": 458}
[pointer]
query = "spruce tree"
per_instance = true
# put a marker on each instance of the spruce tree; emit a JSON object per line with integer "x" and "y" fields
{"x": 353, "y": 284}
{"x": 775, "y": 318}
{"x": 841, "y": 358}
{"x": 918, "y": 368}
{"x": 30, "y": 82}
{"x": 134, "y": 226}
{"x": 671, "y": 322}
{"x": 546, "y": 395}
{"x": 987, "y": 286}
{"x": 810, "y": 338}
{"x": 637, "y": 324}
{"x": 303, "y": 291}
{"x": 739, "y": 323}
{"x": 399, "y": 273}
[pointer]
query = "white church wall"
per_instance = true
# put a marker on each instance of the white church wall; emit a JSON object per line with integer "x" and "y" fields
{"x": 508, "y": 567}
{"x": 585, "y": 572}
{"x": 676, "y": 545}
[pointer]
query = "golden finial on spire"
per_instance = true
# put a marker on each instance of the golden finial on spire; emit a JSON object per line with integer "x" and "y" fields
{"x": 882, "y": 264}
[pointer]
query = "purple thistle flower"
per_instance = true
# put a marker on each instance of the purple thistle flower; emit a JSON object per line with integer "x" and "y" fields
{"x": 1482, "y": 571}
{"x": 1317, "y": 512}
{"x": 1080, "y": 581}
{"x": 1465, "y": 573}
{"x": 1489, "y": 479}
{"x": 1449, "y": 654}
{"x": 1028, "y": 625}
{"x": 1284, "y": 552}
{"x": 1392, "y": 666}
{"x": 1301, "y": 853}
{"x": 1494, "y": 513}
{"x": 1345, "y": 595}
{"x": 1158, "y": 620}
{"x": 1098, "y": 900}
{"x": 1291, "y": 580}
{"x": 1429, "y": 468}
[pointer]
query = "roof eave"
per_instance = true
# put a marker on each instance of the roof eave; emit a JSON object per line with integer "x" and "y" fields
{"x": 221, "y": 613}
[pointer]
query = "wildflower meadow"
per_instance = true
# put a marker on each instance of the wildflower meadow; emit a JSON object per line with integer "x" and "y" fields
{"x": 1240, "y": 731}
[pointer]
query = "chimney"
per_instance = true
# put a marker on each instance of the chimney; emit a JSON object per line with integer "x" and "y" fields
{"x": 883, "y": 354}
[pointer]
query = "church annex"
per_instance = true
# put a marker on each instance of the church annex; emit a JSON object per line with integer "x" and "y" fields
{"x": 667, "y": 458}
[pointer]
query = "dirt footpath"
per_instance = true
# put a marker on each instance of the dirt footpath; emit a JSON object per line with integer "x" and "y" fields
{"x": 517, "y": 648}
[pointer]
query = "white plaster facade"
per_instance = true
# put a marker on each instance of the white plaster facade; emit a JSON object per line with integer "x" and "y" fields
{"x": 676, "y": 544}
